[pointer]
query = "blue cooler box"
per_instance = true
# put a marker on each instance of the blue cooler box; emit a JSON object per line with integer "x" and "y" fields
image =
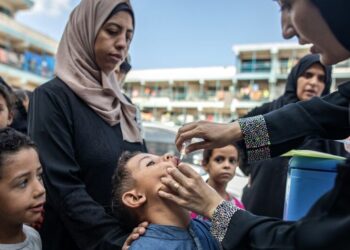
{"x": 308, "y": 179}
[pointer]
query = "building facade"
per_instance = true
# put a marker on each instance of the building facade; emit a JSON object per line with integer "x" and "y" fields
{"x": 26, "y": 56}
{"x": 219, "y": 94}
{"x": 175, "y": 96}
{"x": 172, "y": 96}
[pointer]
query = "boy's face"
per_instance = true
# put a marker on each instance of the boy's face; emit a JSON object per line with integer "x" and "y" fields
{"x": 147, "y": 169}
{"x": 5, "y": 114}
{"x": 22, "y": 194}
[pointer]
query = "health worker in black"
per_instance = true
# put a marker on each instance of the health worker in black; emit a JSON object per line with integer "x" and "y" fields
{"x": 325, "y": 24}
{"x": 265, "y": 192}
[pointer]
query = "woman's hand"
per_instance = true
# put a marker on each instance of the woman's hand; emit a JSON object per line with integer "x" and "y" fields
{"x": 135, "y": 234}
{"x": 214, "y": 135}
{"x": 190, "y": 191}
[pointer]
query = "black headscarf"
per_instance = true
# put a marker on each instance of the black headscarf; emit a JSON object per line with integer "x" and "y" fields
{"x": 336, "y": 14}
{"x": 290, "y": 94}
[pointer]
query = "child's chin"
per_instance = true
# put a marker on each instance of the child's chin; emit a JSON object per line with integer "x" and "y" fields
{"x": 33, "y": 219}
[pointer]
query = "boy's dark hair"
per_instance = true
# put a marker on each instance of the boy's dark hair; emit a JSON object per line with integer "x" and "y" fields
{"x": 122, "y": 182}
{"x": 207, "y": 153}
{"x": 8, "y": 96}
{"x": 11, "y": 142}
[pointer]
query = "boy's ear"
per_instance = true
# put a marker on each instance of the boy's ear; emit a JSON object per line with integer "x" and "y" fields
{"x": 133, "y": 199}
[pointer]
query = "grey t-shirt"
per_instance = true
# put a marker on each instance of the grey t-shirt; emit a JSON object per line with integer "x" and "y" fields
{"x": 32, "y": 241}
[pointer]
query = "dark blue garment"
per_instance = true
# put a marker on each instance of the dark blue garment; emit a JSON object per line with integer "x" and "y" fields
{"x": 161, "y": 237}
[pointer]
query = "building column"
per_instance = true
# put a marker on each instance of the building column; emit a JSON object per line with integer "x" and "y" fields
{"x": 170, "y": 90}
{"x": 275, "y": 69}
{"x": 142, "y": 89}
{"x": 201, "y": 89}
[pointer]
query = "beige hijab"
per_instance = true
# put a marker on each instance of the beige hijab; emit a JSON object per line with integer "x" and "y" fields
{"x": 76, "y": 66}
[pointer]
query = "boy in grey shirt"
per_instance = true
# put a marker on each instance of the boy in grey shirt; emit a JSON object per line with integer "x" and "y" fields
{"x": 22, "y": 194}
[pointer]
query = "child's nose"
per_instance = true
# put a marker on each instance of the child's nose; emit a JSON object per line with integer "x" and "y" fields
{"x": 168, "y": 157}
{"x": 228, "y": 164}
{"x": 39, "y": 188}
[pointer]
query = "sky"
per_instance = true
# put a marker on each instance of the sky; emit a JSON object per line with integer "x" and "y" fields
{"x": 178, "y": 33}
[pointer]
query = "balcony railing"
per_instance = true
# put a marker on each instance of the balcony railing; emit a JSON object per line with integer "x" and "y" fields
{"x": 255, "y": 67}
{"x": 41, "y": 65}
{"x": 29, "y": 36}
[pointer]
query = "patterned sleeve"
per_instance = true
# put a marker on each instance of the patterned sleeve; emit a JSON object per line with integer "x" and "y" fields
{"x": 256, "y": 138}
{"x": 221, "y": 219}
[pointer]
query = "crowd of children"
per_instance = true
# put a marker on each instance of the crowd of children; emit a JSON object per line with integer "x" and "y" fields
{"x": 22, "y": 193}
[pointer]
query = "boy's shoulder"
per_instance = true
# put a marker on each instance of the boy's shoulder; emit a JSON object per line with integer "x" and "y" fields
{"x": 201, "y": 224}
{"x": 162, "y": 237}
{"x": 32, "y": 241}
{"x": 33, "y": 238}
{"x": 170, "y": 237}
{"x": 201, "y": 229}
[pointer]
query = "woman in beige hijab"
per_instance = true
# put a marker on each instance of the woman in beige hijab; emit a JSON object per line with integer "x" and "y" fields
{"x": 81, "y": 123}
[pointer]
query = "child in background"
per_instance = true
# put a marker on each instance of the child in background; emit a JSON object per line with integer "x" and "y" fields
{"x": 221, "y": 164}
{"x": 6, "y": 115}
{"x": 22, "y": 194}
{"x": 136, "y": 183}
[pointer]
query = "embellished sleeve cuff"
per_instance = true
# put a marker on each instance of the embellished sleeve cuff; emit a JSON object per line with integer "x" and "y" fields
{"x": 256, "y": 137}
{"x": 221, "y": 219}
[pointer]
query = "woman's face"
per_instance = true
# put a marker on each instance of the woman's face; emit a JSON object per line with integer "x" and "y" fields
{"x": 302, "y": 18}
{"x": 311, "y": 83}
{"x": 112, "y": 41}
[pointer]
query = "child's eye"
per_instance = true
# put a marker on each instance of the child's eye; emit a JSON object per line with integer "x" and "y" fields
{"x": 23, "y": 183}
{"x": 233, "y": 161}
{"x": 151, "y": 163}
{"x": 219, "y": 159}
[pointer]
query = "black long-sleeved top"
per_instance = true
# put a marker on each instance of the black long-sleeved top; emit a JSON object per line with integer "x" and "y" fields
{"x": 327, "y": 117}
{"x": 265, "y": 193}
{"x": 286, "y": 128}
{"x": 79, "y": 153}
{"x": 327, "y": 224}
{"x": 326, "y": 227}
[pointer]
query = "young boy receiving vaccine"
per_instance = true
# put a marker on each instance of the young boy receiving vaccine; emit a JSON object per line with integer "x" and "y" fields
{"x": 221, "y": 164}
{"x": 135, "y": 199}
{"x": 22, "y": 194}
